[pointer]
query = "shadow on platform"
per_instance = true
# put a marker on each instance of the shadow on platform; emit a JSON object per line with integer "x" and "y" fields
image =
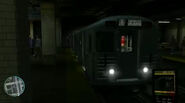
{"x": 60, "y": 81}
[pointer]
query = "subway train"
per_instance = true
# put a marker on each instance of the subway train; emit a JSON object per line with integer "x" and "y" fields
{"x": 117, "y": 50}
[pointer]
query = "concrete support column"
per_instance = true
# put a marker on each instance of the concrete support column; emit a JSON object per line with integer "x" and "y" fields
{"x": 58, "y": 33}
{"x": 183, "y": 30}
{"x": 48, "y": 28}
{"x": 14, "y": 49}
{"x": 31, "y": 30}
{"x": 179, "y": 33}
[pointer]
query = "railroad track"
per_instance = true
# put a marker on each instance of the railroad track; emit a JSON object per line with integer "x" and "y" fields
{"x": 121, "y": 96}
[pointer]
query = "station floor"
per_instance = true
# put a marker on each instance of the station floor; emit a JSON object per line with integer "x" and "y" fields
{"x": 59, "y": 80}
{"x": 176, "y": 56}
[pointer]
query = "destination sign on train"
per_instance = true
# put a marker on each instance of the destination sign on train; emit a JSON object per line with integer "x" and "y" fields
{"x": 134, "y": 23}
{"x": 123, "y": 22}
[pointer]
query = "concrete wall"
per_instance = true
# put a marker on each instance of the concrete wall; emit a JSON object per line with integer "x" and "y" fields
{"x": 183, "y": 30}
{"x": 171, "y": 30}
{"x": 14, "y": 54}
{"x": 175, "y": 29}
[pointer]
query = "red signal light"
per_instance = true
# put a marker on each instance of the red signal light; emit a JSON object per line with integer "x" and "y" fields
{"x": 122, "y": 41}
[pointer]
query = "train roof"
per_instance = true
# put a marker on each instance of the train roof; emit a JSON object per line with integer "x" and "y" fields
{"x": 102, "y": 21}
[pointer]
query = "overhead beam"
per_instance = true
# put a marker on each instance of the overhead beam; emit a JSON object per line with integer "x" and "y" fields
{"x": 142, "y": 2}
{"x": 170, "y": 15}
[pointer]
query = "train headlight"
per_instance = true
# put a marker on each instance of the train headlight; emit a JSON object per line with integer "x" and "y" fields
{"x": 111, "y": 71}
{"x": 145, "y": 69}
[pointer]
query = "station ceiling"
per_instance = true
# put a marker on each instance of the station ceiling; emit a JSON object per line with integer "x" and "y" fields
{"x": 103, "y": 8}
{"x": 83, "y": 12}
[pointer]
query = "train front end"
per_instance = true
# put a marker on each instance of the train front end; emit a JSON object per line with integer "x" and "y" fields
{"x": 122, "y": 57}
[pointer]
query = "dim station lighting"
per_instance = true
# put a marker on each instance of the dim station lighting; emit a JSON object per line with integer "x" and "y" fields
{"x": 163, "y": 22}
{"x": 178, "y": 18}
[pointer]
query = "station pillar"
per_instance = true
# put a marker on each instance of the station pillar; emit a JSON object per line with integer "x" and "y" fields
{"x": 179, "y": 33}
{"x": 48, "y": 28}
{"x": 14, "y": 48}
{"x": 31, "y": 30}
{"x": 58, "y": 34}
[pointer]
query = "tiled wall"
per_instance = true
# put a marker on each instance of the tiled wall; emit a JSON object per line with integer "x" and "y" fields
{"x": 14, "y": 54}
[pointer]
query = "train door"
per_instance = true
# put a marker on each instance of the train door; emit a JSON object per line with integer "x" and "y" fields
{"x": 83, "y": 49}
{"x": 75, "y": 44}
{"x": 88, "y": 54}
{"x": 128, "y": 53}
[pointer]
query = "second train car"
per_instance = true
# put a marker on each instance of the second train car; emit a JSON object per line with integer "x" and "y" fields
{"x": 118, "y": 50}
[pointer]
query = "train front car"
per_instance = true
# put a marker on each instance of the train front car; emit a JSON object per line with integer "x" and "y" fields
{"x": 119, "y": 50}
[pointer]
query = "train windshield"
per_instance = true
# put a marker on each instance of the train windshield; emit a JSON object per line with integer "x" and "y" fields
{"x": 105, "y": 42}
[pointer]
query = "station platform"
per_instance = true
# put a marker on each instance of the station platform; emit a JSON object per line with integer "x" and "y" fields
{"x": 175, "y": 61}
{"x": 175, "y": 56}
{"x": 60, "y": 80}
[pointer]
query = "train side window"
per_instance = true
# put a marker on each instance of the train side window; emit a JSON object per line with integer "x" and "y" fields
{"x": 90, "y": 43}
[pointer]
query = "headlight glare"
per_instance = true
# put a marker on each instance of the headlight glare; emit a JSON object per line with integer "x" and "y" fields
{"x": 145, "y": 70}
{"x": 111, "y": 71}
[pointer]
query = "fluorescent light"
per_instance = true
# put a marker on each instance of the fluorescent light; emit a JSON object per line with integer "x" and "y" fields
{"x": 178, "y": 18}
{"x": 164, "y": 22}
